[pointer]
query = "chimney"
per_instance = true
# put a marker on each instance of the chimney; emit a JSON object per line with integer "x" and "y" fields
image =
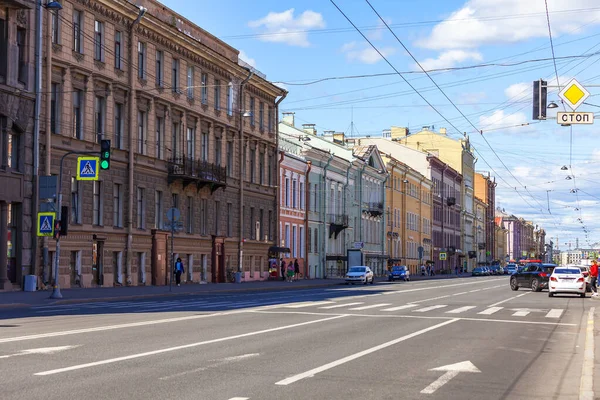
{"x": 443, "y": 131}
{"x": 339, "y": 138}
{"x": 310, "y": 129}
{"x": 398, "y": 133}
{"x": 288, "y": 118}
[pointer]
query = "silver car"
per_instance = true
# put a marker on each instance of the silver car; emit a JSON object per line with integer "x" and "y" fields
{"x": 360, "y": 274}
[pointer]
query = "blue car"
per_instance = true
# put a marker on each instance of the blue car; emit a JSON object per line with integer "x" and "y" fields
{"x": 399, "y": 273}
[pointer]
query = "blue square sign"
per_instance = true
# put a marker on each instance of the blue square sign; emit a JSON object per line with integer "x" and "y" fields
{"x": 45, "y": 223}
{"x": 87, "y": 168}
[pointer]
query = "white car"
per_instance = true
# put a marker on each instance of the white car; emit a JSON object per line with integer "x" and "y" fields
{"x": 360, "y": 274}
{"x": 586, "y": 275}
{"x": 567, "y": 280}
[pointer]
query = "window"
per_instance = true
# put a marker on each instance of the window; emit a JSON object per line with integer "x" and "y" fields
{"x": 301, "y": 242}
{"x": 118, "y": 126}
{"x": 252, "y": 224}
{"x": 159, "y": 68}
{"x": 252, "y": 165}
{"x": 77, "y": 31}
{"x": 230, "y": 99}
{"x": 55, "y": 27}
{"x": 141, "y": 132}
{"x": 190, "y": 141}
{"x": 100, "y": 112}
{"x": 287, "y": 236}
{"x": 302, "y": 195}
{"x": 294, "y": 242}
{"x": 270, "y": 166}
{"x": 118, "y": 205}
{"x": 204, "y": 146}
{"x": 261, "y": 115}
{"x": 175, "y": 76}
{"x": 229, "y": 155}
{"x": 287, "y": 192}
{"x": 229, "y": 219}
{"x": 218, "y": 151}
{"x": 75, "y": 201}
{"x": 204, "y": 90}
{"x": 55, "y": 108}
{"x": 78, "y": 97}
{"x": 98, "y": 203}
{"x": 294, "y": 194}
{"x": 190, "y": 82}
{"x": 217, "y": 217}
{"x": 160, "y": 137}
{"x": 316, "y": 248}
{"x": 141, "y": 60}
{"x": 261, "y": 231}
{"x": 203, "y": 216}
{"x": 118, "y": 59}
{"x": 174, "y": 140}
{"x": 141, "y": 208}
{"x": 10, "y": 145}
{"x": 251, "y": 111}
{"x": 269, "y": 229}
{"x": 261, "y": 168}
{"x": 309, "y": 241}
{"x": 174, "y": 200}
{"x": 190, "y": 214}
{"x": 158, "y": 209}
{"x": 3, "y": 46}
{"x": 99, "y": 41}
{"x": 217, "y": 94}
{"x": 270, "y": 119}
{"x": 22, "y": 54}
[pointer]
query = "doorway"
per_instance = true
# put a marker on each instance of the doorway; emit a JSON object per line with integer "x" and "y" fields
{"x": 98, "y": 262}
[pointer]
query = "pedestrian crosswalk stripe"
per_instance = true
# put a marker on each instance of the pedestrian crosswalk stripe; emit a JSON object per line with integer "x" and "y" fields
{"x": 404, "y": 307}
{"x": 371, "y": 306}
{"x": 490, "y": 311}
{"x": 308, "y": 304}
{"x": 460, "y": 310}
{"x": 521, "y": 313}
{"x": 430, "y": 308}
{"x": 342, "y": 305}
{"x": 554, "y": 313}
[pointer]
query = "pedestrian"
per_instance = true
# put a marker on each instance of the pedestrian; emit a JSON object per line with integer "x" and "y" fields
{"x": 456, "y": 270}
{"x": 282, "y": 267}
{"x": 594, "y": 278}
{"x": 296, "y": 269}
{"x": 290, "y": 271}
{"x": 178, "y": 271}
{"x": 423, "y": 270}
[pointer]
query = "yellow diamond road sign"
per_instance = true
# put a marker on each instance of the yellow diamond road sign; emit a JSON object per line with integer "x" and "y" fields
{"x": 574, "y": 94}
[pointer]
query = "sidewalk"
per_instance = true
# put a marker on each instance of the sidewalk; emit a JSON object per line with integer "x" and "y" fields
{"x": 82, "y": 295}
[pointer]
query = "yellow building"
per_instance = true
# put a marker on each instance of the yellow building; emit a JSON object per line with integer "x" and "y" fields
{"x": 408, "y": 207}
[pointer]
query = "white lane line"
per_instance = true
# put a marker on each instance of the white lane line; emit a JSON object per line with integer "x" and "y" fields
{"x": 509, "y": 299}
{"x": 370, "y": 306}
{"x": 555, "y": 313}
{"x": 586, "y": 386}
{"x": 490, "y": 310}
{"x": 476, "y": 290}
{"x": 218, "y": 363}
{"x": 460, "y": 310}
{"x": 458, "y": 294}
{"x": 521, "y": 313}
{"x": 307, "y": 304}
{"x": 430, "y": 308}
{"x": 239, "y": 398}
{"x": 363, "y": 353}
{"x": 186, "y": 346}
{"x": 404, "y": 307}
{"x": 342, "y": 305}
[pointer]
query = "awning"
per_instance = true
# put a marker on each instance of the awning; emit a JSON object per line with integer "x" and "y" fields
{"x": 277, "y": 249}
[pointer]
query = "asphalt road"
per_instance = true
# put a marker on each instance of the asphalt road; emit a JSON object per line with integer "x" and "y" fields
{"x": 465, "y": 338}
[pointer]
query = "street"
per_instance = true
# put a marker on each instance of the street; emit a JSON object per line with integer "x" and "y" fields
{"x": 463, "y": 338}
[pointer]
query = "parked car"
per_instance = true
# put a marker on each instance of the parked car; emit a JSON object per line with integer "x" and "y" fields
{"x": 495, "y": 269}
{"x": 399, "y": 272}
{"x": 478, "y": 271}
{"x": 511, "y": 268}
{"x": 360, "y": 274}
{"x": 533, "y": 275}
{"x": 567, "y": 280}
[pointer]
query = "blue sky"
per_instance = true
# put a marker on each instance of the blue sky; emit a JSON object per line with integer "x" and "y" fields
{"x": 295, "y": 42}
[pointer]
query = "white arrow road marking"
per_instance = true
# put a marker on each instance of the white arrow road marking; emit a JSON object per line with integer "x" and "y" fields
{"x": 490, "y": 311}
{"x": 555, "y": 313}
{"x": 460, "y": 310}
{"x": 41, "y": 350}
{"x": 451, "y": 371}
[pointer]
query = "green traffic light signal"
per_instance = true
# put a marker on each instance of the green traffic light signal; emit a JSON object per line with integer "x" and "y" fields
{"x": 104, "y": 164}
{"x": 104, "y": 154}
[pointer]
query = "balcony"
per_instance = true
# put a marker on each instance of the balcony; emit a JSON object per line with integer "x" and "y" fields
{"x": 337, "y": 223}
{"x": 199, "y": 173}
{"x": 375, "y": 209}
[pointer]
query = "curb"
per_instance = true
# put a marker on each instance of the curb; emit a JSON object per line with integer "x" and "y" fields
{"x": 168, "y": 294}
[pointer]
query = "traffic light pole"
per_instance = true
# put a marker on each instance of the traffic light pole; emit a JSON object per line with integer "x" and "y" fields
{"x": 56, "y": 287}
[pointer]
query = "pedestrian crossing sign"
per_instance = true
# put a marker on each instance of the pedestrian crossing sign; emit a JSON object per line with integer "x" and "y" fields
{"x": 45, "y": 223}
{"x": 87, "y": 168}
{"x": 443, "y": 257}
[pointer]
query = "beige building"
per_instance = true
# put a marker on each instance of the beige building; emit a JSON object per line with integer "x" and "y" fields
{"x": 170, "y": 97}
{"x": 480, "y": 229}
{"x": 501, "y": 244}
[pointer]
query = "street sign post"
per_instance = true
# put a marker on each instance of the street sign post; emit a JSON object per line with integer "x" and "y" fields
{"x": 173, "y": 216}
{"x": 87, "y": 168}
{"x": 575, "y": 118}
{"x": 45, "y": 223}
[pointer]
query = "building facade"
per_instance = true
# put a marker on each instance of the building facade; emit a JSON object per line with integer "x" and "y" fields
{"x": 485, "y": 189}
{"x": 513, "y": 228}
{"x": 17, "y": 156}
{"x": 500, "y": 244}
{"x": 171, "y": 98}
{"x": 481, "y": 231}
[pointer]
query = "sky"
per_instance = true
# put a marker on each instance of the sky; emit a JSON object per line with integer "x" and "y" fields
{"x": 546, "y": 173}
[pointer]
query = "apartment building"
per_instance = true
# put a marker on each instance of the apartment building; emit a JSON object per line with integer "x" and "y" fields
{"x": 481, "y": 231}
{"x": 191, "y": 127}
{"x": 485, "y": 189}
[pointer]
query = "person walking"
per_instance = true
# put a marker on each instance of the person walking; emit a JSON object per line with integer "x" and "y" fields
{"x": 296, "y": 269}
{"x": 178, "y": 271}
{"x": 282, "y": 267}
{"x": 594, "y": 278}
{"x": 290, "y": 271}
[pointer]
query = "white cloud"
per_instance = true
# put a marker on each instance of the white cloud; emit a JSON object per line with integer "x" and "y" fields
{"x": 283, "y": 27}
{"x": 365, "y": 55}
{"x": 518, "y": 91}
{"x": 450, "y": 58}
{"x": 477, "y": 22}
{"x": 245, "y": 57}
{"x": 499, "y": 119}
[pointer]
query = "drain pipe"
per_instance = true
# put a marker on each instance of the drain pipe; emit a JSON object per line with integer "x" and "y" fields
{"x": 324, "y": 208}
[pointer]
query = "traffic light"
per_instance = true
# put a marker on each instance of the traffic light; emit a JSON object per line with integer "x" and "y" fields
{"x": 64, "y": 220}
{"x": 105, "y": 154}
{"x": 540, "y": 99}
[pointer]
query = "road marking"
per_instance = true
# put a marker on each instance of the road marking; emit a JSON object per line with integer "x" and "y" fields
{"x": 342, "y": 305}
{"x": 512, "y": 298}
{"x": 371, "y": 306}
{"x": 186, "y": 346}
{"x": 307, "y": 304}
{"x": 42, "y": 350}
{"x": 586, "y": 386}
{"x": 458, "y": 294}
{"x": 219, "y": 363}
{"x": 490, "y": 311}
{"x": 404, "y": 307}
{"x": 555, "y": 313}
{"x": 461, "y": 309}
{"x": 451, "y": 371}
{"x": 521, "y": 313}
{"x": 239, "y": 398}
{"x": 363, "y": 353}
{"x": 430, "y": 308}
